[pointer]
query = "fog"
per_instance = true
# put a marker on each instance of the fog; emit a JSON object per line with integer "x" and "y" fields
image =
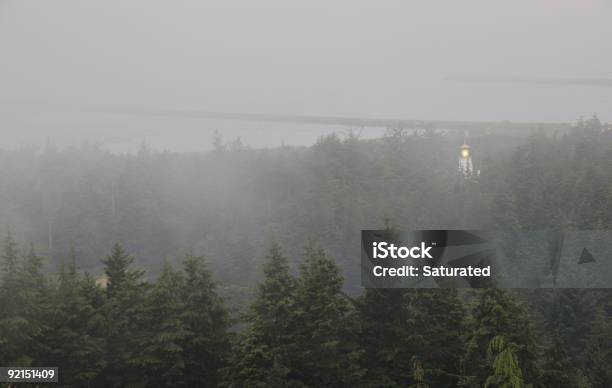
{"x": 189, "y": 190}
{"x": 350, "y": 58}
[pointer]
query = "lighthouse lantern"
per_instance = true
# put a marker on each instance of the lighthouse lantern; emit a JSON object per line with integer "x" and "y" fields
{"x": 466, "y": 167}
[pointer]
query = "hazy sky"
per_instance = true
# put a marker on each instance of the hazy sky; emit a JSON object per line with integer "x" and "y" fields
{"x": 345, "y": 58}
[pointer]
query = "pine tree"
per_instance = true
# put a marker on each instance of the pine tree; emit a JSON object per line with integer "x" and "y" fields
{"x": 387, "y": 321}
{"x": 164, "y": 355}
{"x": 125, "y": 321}
{"x": 598, "y": 351}
{"x": 557, "y": 368}
{"x": 569, "y": 315}
{"x": 72, "y": 338}
{"x": 206, "y": 321}
{"x": 439, "y": 333}
{"x": 34, "y": 293}
{"x": 254, "y": 363}
{"x": 117, "y": 270}
{"x": 261, "y": 355}
{"x": 497, "y": 313}
{"x": 271, "y": 311}
{"x": 325, "y": 351}
{"x": 426, "y": 324}
{"x": 10, "y": 262}
{"x": 15, "y": 332}
{"x": 10, "y": 276}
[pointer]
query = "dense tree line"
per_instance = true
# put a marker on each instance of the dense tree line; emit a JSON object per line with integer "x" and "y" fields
{"x": 301, "y": 330}
{"x": 232, "y": 201}
{"x": 308, "y": 324}
{"x": 123, "y": 331}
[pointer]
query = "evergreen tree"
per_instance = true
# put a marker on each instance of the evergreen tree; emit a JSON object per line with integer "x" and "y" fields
{"x": 254, "y": 363}
{"x": 558, "y": 370}
{"x": 125, "y": 321}
{"x": 10, "y": 263}
{"x": 261, "y": 355}
{"x": 206, "y": 321}
{"x": 164, "y": 355}
{"x": 271, "y": 310}
{"x": 598, "y": 352}
{"x": 497, "y": 313}
{"x": 387, "y": 320}
{"x": 426, "y": 324}
{"x": 35, "y": 298}
{"x": 118, "y": 272}
{"x": 15, "y": 330}
{"x": 34, "y": 292}
{"x": 569, "y": 317}
{"x": 71, "y": 338}
{"x": 32, "y": 277}
{"x": 325, "y": 351}
{"x": 439, "y": 333}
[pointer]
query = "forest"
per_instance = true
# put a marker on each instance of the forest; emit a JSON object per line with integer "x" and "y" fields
{"x": 239, "y": 267}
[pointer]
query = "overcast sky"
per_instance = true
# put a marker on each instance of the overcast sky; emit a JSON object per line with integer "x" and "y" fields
{"x": 342, "y": 58}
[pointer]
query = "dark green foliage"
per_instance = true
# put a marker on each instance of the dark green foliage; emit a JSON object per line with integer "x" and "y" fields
{"x": 205, "y": 320}
{"x": 250, "y": 362}
{"x": 271, "y": 312}
{"x": 440, "y": 334}
{"x": 302, "y": 332}
{"x": 324, "y": 352}
{"x": 120, "y": 277}
{"x": 23, "y": 299}
{"x": 163, "y": 356}
{"x": 418, "y": 374}
{"x": 10, "y": 263}
{"x": 388, "y": 343}
{"x": 425, "y": 324}
{"x": 558, "y": 370}
{"x": 598, "y": 352}
{"x": 125, "y": 325}
{"x": 72, "y": 338}
{"x": 172, "y": 332}
{"x": 497, "y": 313}
{"x": 568, "y": 318}
{"x": 261, "y": 355}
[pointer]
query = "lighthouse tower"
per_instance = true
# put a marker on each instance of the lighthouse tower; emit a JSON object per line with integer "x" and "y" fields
{"x": 466, "y": 167}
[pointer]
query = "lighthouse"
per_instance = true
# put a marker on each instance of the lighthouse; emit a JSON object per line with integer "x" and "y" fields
{"x": 466, "y": 167}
